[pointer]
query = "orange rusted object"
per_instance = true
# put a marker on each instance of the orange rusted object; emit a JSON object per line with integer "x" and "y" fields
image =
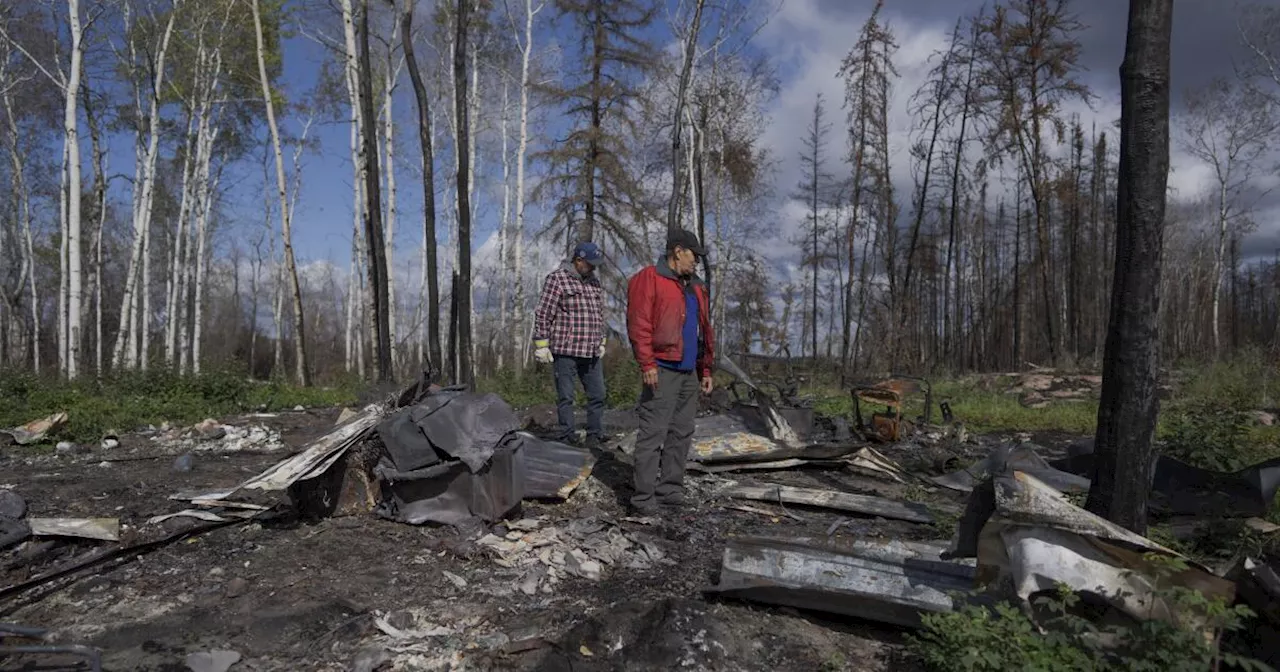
{"x": 891, "y": 393}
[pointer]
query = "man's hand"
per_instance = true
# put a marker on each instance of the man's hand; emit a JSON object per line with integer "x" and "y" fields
{"x": 600, "y": 352}
{"x": 650, "y": 378}
{"x": 707, "y": 385}
{"x": 542, "y": 354}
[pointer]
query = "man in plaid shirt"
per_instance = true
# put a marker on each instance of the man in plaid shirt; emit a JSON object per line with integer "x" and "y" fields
{"x": 569, "y": 334}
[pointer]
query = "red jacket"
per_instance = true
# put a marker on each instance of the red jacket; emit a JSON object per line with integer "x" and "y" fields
{"x": 655, "y": 318}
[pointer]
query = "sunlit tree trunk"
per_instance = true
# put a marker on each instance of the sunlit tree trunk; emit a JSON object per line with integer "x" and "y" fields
{"x": 299, "y": 325}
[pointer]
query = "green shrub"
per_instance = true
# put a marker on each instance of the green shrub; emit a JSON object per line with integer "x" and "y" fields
{"x": 132, "y": 399}
{"x": 978, "y": 639}
{"x": 1208, "y": 434}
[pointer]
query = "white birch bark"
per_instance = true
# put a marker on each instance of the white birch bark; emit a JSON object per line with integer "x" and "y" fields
{"x": 144, "y": 191}
{"x": 389, "y": 170}
{"x": 195, "y": 126}
{"x": 526, "y": 51}
{"x": 63, "y": 285}
{"x": 18, "y": 175}
{"x": 277, "y": 302}
{"x": 75, "y": 270}
{"x": 504, "y": 227}
{"x": 291, "y": 267}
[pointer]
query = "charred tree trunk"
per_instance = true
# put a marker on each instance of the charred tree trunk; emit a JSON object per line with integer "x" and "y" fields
{"x": 466, "y": 371}
{"x": 428, "y": 189}
{"x": 373, "y": 210}
{"x": 1130, "y": 403}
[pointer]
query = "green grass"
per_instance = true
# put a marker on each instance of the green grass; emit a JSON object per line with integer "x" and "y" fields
{"x": 131, "y": 400}
{"x": 980, "y": 410}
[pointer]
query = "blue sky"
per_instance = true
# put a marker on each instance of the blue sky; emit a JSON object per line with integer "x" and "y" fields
{"x": 806, "y": 39}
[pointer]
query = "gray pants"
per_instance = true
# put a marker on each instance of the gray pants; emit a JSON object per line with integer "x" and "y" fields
{"x": 666, "y": 414}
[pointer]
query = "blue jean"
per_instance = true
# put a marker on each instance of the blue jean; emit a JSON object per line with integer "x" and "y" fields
{"x": 590, "y": 370}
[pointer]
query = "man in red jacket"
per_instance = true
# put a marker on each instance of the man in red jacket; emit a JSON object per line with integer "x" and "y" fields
{"x": 669, "y": 325}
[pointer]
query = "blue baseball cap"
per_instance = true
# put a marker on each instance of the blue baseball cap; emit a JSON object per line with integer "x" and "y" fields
{"x": 588, "y": 252}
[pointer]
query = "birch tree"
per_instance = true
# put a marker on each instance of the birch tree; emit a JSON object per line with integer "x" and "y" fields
{"x": 125, "y": 353}
{"x": 70, "y": 256}
{"x": 522, "y": 148}
{"x": 21, "y": 200}
{"x": 1229, "y": 128}
{"x": 286, "y": 231}
{"x": 690, "y": 51}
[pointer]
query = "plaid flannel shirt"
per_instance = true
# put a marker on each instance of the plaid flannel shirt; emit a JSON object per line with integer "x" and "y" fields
{"x": 570, "y": 314}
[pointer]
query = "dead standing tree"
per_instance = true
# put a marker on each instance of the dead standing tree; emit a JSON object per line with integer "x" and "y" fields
{"x": 588, "y": 170}
{"x": 430, "y": 263}
{"x": 462, "y": 289}
{"x": 373, "y": 207}
{"x": 1123, "y": 456}
{"x": 1028, "y": 55}
{"x": 867, "y": 71}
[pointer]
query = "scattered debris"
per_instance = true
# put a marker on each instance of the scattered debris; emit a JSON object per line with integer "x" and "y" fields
{"x": 890, "y": 426}
{"x": 1032, "y": 539}
{"x": 184, "y": 463}
{"x": 312, "y": 462}
{"x": 345, "y": 416}
{"x": 764, "y": 512}
{"x": 838, "y": 501}
{"x": 893, "y": 582}
{"x": 212, "y": 661}
{"x": 1007, "y": 456}
{"x": 12, "y": 505}
{"x": 36, "y": 430}
{"x": 870, "y": 461}
{"x": 547, "y": 552}
{"x": 104, "y": 529}
{"x": 90, "y": 654}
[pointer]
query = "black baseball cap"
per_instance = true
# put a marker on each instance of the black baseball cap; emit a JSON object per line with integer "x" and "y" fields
{"x": 686, "y": 239}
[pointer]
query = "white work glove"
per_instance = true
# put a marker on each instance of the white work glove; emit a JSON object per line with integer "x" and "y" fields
{"x": 600, "y": 352}
{"x": 542, "y": 353}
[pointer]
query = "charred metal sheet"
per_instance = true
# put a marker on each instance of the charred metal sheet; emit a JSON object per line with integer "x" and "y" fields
{"x": 1005, "y": 457}
{"x": 318, "y": 458}
{"x": 450, "y": 493}
{"x": 347, "y": 489}
{"x": 34, "y": 431}
{"x": 830, "y": 499}
{"x": 872, "y": 461}
{"x": 1259, "y": 587}
{"x": 1032, "y": 538}
{"x": 405, "y": 441}
{"x": 723, "y": 438}
{"x": 892, "y": 582}
{"x": 1182, "y": 489}
{"x": 103, "y": 529}
{"x": 722, "y": 467}
{"x": 90, "y": 654}
{"x": 552, "y": 470}
{"x": 464, "y": 425}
